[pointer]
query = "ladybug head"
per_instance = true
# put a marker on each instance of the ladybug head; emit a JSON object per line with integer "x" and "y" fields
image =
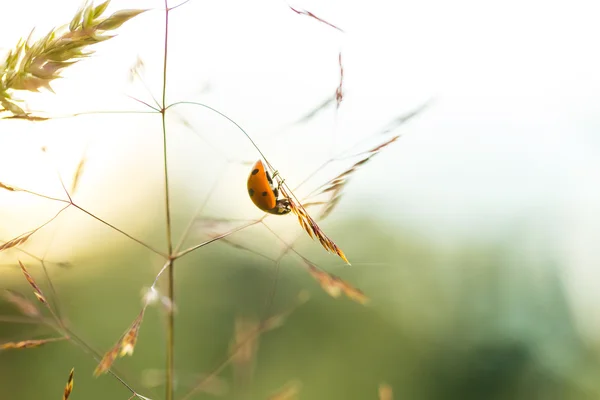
{"x": 281, "y": 207}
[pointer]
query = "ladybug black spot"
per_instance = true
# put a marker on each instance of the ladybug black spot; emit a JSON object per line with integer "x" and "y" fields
{"x": 264, "y": 193}
{"x": 255, "y": 171}
{"x": 251, "y": 192}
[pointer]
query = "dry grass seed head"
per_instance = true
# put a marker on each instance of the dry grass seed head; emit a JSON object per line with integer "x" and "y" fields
{"x": 290, "y": 391}
{"x": 312, "y": 228}
{"x": 69, "y": 385}
{"x": 77, "y": 174}
{"x": 16, "y": 241}
{"x": 25, "y": 306}
{"x": 36, "y": 289}
{"x": 29, "y": 344}
{"x": 107, "y": 360}
{"x": 130, "y": 338}
{"x": 7, "y": 187}
{"x": 335, "y": 286}
{"x": 124, "y": 346}
{"x": 334, "y": 187}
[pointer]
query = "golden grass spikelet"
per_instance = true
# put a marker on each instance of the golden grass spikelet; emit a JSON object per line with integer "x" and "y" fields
{"x": 124, "y": 346}
{"x": 312, "y": 228}
{"x": 25, "y": 306}
{"x": 69, "y": 385}
{"x": 108, "y": 359}
{"x": 33, "y": 65}
{"x": 77, "y": 174}
{"x": 6, "y": 187}
{"x": 289, "y": 391}
{"x": 29, "y": 344}
{"x": 16, "y": 241}
{"x": 36, "y": 289}
{"x": 334, "y": 285}
{"x": 130, "y": 337}
{"x": 385, "y": 392}
{"x": 335, "y": 186}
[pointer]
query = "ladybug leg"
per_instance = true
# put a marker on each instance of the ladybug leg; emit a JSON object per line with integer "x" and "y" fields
{"x": 269, "y": 177}
{"x": 279, "y": 183}
{"x": 276, "y": 173}
{"x": 276, "y": 189}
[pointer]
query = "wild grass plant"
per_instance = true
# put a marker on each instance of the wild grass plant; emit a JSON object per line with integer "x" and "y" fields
{"x": 33, "y": 64}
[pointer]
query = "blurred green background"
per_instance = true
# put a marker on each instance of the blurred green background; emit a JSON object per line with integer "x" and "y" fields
{"x": 465, "y": 320}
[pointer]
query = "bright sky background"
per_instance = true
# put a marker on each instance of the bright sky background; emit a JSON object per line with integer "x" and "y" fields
{"x": 511, "y": 138}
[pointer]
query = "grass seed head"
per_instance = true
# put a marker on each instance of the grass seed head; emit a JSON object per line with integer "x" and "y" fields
{"x": 124, "y": 346}
{"x": 77, "y": 175}
{"x": 33, "y": 65}
{"x": 16, "y": 241}
{"x": 29, "y": 344}
{"x": 312, "y": 228}
{"x": 130, "y": 337}
{"x": 107, "y": 360}
{"x": 25, "y": 306}
{"x": 290, "y": 391}
{"x": 69, "y": 385}
{"x": 36, "y": 289}
{"x": 6, "y": 187}
{"x": 334, "y": 286}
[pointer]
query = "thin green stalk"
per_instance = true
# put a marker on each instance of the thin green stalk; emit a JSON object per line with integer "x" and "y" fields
{"x": 170, "y": 359}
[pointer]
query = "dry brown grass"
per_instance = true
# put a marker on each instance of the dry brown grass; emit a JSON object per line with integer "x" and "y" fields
{"x": 36, "y": 289}
{"x": 69, "y": 385}
{"x": 22, "y": 303}
{"x": 28, "y": 344}
{"x": 16, "y": 241}
{"x": 289, "y": 391}
{"x": 77, "y": 175}
{"x": 124, "y": 346}
{"x": 312, "y": 228}
{"x": 335, "y": 286}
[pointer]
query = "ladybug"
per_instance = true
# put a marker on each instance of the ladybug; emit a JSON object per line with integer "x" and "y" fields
{"x": 263, "y": 193}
